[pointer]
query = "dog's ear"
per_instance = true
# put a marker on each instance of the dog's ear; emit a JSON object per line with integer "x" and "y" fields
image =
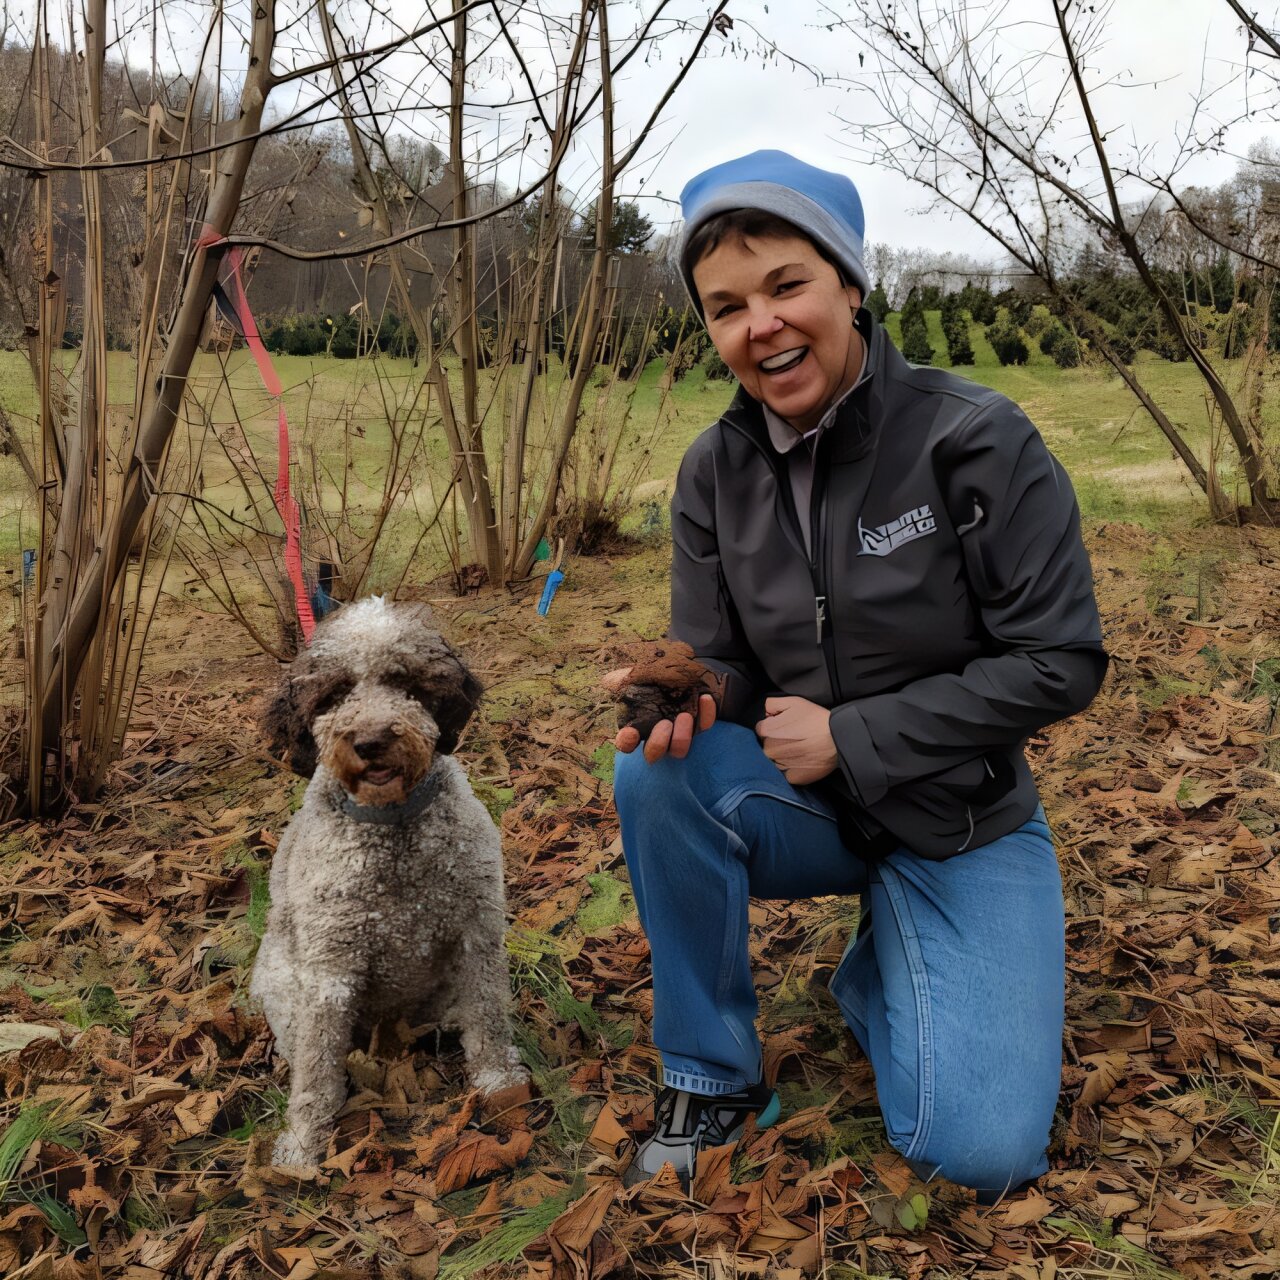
{"x": 457, "y": 706}
{"x": 298, "y": 698}
{"x": 443, "y": 682}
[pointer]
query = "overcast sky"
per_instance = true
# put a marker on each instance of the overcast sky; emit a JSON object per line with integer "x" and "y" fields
{"x": 735, "y": 100}
{"x": 731, "y": 105}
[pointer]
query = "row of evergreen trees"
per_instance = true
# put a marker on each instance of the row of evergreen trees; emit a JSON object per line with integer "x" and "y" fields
{"x": 1217, "y": 317}
{"x": 345, "y": 336}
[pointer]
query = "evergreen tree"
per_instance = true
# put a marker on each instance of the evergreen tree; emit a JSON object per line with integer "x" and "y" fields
{"x": 1222, "y": 285}
{"x": 1007, "y": 341}
{"x": 915, "y": 333}
{"x": 1066, "y": 351}
{"x": 955, "y": 328}
{"x": 1018, "y": 305}
{"x": 1050, "y": 338}
{"x": 877, "y": 302}
{"x": 979, "y": 303}
{"x": 630, "y": 231}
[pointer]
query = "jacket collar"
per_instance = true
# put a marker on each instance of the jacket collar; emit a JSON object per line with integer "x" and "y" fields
{"x": 856, "y": 420}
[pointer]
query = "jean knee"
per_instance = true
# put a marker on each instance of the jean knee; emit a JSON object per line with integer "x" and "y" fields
{"x": 712, "y": 766}
{"x": 995, "y": 1160}
{"x": 631, "y": 779}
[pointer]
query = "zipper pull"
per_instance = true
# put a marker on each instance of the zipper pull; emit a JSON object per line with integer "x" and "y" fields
{"x": 820, "y": 615}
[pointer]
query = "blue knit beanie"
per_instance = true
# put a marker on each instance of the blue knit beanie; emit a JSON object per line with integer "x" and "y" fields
{"x": 823, "y": 206}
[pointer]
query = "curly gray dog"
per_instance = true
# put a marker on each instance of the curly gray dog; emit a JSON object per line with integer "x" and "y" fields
{"x": 386, "y": 890}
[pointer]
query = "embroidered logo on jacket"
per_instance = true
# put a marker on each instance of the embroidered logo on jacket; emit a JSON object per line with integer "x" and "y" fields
{"x": 918, "y": 523}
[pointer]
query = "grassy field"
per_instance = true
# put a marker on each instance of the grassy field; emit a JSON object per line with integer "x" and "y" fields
{"x": 339, "y": 413}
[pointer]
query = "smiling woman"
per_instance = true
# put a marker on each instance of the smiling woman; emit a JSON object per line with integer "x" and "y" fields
{"x": 884, "y": 563}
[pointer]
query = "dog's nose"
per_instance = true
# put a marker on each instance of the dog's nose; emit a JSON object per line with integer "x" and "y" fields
{"x": 370, "y": 745}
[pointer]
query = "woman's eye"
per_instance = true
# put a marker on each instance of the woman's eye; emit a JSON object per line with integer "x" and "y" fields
{"x": 724, "y": 311}
{"x": 788, "y": 284}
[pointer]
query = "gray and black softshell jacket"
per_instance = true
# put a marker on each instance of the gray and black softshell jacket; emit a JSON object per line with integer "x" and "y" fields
{"x": 946, "y": 614}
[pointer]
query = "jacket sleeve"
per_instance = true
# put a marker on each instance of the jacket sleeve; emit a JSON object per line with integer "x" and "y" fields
{"x": 703, "y": 614}
{"x": 1015, "y": 513}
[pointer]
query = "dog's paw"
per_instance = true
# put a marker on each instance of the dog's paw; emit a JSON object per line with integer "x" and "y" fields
{"x": 291, "y": 1156}
{"x": 493, "y": 1079}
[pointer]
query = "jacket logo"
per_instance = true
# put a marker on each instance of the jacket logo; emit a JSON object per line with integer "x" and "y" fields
{"x": 917, "y": 523}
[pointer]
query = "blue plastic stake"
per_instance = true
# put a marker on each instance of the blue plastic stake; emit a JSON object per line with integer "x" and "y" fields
{"x": 554, "y": 579}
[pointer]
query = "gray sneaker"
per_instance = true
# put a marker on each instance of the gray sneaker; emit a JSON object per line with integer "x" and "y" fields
{"x": 687, "y": 1123}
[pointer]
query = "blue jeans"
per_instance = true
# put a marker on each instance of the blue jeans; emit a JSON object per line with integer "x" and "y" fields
{"x": 953, "y": 986}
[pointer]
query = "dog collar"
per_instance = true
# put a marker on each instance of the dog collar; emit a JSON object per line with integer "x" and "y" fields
{"x": 396, "y": 815}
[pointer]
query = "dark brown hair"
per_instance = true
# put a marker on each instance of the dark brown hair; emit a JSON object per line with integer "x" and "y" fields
{"x": 740, "y": 223}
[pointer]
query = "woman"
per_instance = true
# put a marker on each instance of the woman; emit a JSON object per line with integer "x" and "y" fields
{"x": 886, "y": 562}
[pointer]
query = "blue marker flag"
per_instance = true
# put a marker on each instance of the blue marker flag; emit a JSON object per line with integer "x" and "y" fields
{"x": 554, "y": 579}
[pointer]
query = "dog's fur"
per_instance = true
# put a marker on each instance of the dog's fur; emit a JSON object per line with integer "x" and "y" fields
{"x": 371, "y": 920}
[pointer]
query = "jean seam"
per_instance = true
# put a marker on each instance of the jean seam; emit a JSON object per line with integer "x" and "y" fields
{"x": 901, "y": 909}
{"x": 734, "y": 939}
{"x": 728, "y": 804}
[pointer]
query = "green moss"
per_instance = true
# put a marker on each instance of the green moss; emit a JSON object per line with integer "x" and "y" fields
{"x": 608, "y": 906}
{"x": 496, "y": 799}
{"x": 602, "y": 761}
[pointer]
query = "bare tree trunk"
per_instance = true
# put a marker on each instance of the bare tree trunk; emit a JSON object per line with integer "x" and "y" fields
{"x": 480, "y": 513}
{"x": 66, "y": 650}
{"x": 594, "y": 304}
{"x": 1171, "y": 433}
{"x": 1243, "y": 437}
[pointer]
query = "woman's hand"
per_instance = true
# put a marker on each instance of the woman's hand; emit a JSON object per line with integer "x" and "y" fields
{"x": 796, "y": 736}
{"x": 667, "y": 737}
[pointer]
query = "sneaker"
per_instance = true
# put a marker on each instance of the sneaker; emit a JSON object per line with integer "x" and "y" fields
{"x": 687, "y": 1123}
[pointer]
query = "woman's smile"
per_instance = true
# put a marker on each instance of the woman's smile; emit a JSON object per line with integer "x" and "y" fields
{"x": 784, "y": 362}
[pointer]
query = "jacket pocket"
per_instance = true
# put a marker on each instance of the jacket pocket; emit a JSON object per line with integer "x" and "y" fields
{"x": 979, "y": 782}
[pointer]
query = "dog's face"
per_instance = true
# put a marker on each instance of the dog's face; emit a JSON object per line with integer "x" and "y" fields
{"x": 376, "y": 695}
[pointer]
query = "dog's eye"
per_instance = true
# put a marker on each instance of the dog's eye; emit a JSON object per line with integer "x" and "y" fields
{"x": 412, "y": 688}
{"x": 327, "y": 698}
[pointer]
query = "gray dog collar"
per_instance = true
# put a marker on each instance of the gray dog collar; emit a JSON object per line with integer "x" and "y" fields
{"x": 396, "y": 815}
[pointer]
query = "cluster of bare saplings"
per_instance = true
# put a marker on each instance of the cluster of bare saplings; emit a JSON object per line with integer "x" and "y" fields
{"x": 130, "y": 192}
{"x": 137, "y": 190}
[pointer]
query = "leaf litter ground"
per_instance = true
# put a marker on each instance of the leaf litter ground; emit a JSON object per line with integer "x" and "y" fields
{"x": 141, "y": 1092}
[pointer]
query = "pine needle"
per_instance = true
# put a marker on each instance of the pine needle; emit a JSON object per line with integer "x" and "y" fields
{"x": 507, "y": 1242}
{"x": 37, "y": 1123}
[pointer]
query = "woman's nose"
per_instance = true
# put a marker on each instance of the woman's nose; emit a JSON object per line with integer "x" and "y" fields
{"x": 762, "y": 323}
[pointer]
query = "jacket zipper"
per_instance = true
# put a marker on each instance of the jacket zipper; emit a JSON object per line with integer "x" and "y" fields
{"x": 817, "y": 566}
{"x": 823, "y": 635}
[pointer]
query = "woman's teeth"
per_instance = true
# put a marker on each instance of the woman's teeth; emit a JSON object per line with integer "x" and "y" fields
{"x": 784, "y": 360}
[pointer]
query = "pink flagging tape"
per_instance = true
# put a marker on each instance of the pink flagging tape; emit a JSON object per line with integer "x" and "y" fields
{"x": 286, "y": 503}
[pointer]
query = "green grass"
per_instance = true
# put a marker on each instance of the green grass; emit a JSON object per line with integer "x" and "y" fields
{"x": 338, "y": 411}
{"x": 1121, "y": 466}
{"x": 507, "y": 1242}
{"x": 35, "y": 1122}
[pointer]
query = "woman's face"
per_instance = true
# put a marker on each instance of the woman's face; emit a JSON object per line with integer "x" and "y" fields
{"x": 782, "y": 321}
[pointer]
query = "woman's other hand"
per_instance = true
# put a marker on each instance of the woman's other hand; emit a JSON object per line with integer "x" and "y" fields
{"x": 667, "y": 737}
{"x": 796, "y": 736}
